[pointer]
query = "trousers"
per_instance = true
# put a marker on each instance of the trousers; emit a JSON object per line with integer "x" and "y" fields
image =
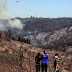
{"x": 37, "y": 67}
{"x": 44, "y": 67}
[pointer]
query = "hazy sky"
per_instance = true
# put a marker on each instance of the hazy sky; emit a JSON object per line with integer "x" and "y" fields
{"x": 39, "y": 8}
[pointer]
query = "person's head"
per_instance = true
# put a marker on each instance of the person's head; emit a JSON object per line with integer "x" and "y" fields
{"x": 45, "y": 51}
{"x": 56, "y": 56}
{"x": 38, "y": 54}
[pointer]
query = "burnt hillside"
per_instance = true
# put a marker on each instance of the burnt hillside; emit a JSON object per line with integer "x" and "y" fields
{"x": 47, "y": 25}
{"x": 42, "y": 32}
{"x": 17, "y": 56}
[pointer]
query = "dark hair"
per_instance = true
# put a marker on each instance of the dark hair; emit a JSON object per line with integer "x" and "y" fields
{"x": 38, "y": 54}
{"x": 44, "y": 51}
{"x": 56, "y": 54}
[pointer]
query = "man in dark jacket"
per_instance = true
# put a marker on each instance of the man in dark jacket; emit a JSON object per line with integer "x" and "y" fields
{"x": 37, "y": 61}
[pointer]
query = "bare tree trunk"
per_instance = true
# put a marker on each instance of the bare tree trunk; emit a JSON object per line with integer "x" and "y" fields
{"x": 29, "y": 59}
{"x": 17, "y": 66}
{"x": 21, "y": 58}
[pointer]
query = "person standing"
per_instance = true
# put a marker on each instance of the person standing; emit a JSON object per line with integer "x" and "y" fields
{"x": 44, "y": 61}
{"x": 37, "y": 62}
{"x": 56, "y": 63}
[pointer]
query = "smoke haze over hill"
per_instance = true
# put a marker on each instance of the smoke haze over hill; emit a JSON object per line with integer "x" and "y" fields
{"x": 10, "y": 24}
{"x": 3, "y": 9}
{"x": 42, "y": 32}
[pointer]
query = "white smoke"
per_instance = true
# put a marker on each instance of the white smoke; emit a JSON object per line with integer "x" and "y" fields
{"x": 8, "y": 24}
{"x": 16, "y": 24}
{"x": 3, "y": 9}
{"x": 11, "y": 24}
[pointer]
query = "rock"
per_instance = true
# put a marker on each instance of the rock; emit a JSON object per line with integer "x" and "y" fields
{"x": 65, "y": 71}
{"x": 69, "y": 50}
{"x": 2, "y": 49}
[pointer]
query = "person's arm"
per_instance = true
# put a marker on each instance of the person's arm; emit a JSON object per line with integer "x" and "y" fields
{"x": 47, "y": 62}
{"x": 56, "y": 66}
{"x": 41, "y": 57}
{"x": 47, "y": 57}
{"x": 35, "y": 59}
{"x": 57, "y": 62}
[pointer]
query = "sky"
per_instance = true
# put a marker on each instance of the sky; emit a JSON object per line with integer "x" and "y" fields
{"x": 39, "y": 8}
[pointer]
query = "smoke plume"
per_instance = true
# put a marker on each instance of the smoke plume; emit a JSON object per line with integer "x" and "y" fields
{"x": 8, "y": 24}
{"x": 3, "y": 9}
{"x": 11, "y": 24}
{"x": 16, "y": 24}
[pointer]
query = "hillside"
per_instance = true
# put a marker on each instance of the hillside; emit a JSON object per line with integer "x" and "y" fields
{"x": 14, "y": 52}
{"x": 42, "y": 32}
{"x": 46, "y": 31}
{"x": 47, "y": 24}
